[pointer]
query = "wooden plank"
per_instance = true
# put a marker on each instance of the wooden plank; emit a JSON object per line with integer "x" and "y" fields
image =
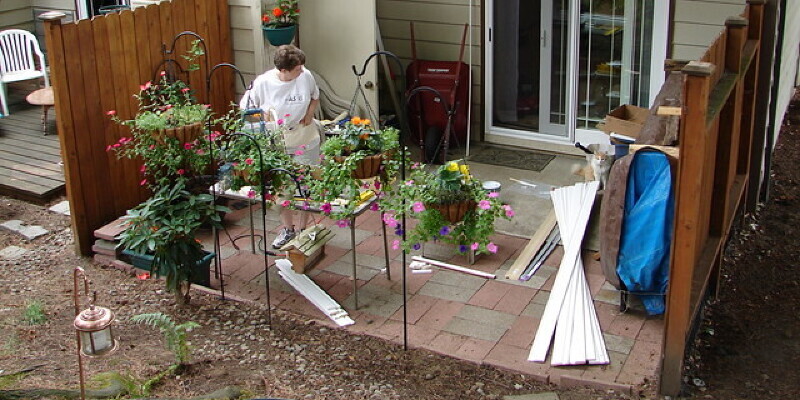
{"x": 534, "y": 244}
{"x": 688, "y": 214}
{"x": 95, "y": 166}
{"x": 201, "y": 19}
{"x": 225, "y": 44}
{"x": 154, "y": 44}
{"x": 7, "y": 159}
{"x": 24, "y": 176}
{"x": 27, "y": 191}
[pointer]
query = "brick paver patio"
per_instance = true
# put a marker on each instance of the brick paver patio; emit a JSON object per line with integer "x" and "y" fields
{"x": 479, "y": 320}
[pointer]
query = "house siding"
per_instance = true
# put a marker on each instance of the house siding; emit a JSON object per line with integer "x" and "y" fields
{"x": 697, "y": 24}
{"x": 16, "y": 14}
{"x": 438, "y": 27}
{"x": 790, "y": 58}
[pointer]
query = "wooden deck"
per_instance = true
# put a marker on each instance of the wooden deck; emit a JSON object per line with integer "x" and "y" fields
{"x": 30, "y": 162}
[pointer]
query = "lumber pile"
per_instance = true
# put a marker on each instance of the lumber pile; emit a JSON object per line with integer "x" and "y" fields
{"x": 570, "y": 312}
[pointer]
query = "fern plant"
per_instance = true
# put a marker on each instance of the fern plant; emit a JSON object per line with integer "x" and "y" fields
{"x": 174, "y": 334}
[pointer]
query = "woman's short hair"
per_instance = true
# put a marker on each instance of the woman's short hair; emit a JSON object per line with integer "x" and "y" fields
{"x": 288, "y": 57}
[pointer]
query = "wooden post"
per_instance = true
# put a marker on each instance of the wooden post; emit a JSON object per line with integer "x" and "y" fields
{"x": 687, "y": 241}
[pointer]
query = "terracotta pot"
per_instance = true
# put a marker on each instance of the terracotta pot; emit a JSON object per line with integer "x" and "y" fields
{"x": 366, "y": 168}
{"x": 453, "y": 212}
{"x": 184, "y": 134}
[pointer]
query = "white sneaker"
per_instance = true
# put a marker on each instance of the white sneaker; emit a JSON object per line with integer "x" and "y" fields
{"x": 284, "y": 236}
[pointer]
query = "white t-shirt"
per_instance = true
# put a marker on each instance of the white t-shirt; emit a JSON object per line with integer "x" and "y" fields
{"x": 289, "y": 99}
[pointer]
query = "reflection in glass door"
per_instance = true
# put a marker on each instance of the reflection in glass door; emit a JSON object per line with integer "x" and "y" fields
{"x": 533, "y": 76}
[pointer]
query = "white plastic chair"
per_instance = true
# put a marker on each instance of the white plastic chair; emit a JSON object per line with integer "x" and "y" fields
{"x": 17, "y": 48}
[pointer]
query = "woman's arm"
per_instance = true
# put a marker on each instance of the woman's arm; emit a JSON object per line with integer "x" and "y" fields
{"x": 309, "y": 116}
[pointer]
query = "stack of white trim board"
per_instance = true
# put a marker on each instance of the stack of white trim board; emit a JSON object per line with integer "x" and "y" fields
{"x": 570, "y": 312}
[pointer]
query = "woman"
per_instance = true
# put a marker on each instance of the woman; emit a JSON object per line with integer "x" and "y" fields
{"x": 292, "y": 92}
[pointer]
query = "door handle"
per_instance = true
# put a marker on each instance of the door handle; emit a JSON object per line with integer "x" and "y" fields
{"x": 369, "y": 85}
{"x": 544, "y": 38}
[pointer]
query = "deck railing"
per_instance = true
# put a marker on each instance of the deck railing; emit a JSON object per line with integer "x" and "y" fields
{"x": 715, "y": 139}
{"x": 96, "y": 66}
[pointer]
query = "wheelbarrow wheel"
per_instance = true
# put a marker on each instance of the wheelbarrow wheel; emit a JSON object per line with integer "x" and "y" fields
{"x": 433, "y": 138}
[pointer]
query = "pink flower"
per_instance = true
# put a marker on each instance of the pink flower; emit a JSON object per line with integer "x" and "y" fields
{"x": 326, "y": 208}
{"x": 389, "y": 220}
{"x": 145, "y": 86}
{"x": 409, "y": 182}
{"x": 248, "y": 161}
{"x": 509, "y": 211}
{"x": 474, "y": 246}
{"x": 143, "y": 168}
{"x": 188, "y": 145}
{"x": 143, "y": 182}
{"x": 377, "y": 185}
{"x": 200, "y": 151}
{"x": 485, "y": 204}
{"x": 152, "y": 147}
{"x": 396, "y": 245}
{"x": 280, "y": 121}
{"x": 163, "y": 73}
{"x": 251, "y": 194}
{"x": 493, "y": 194}
{"x": 108, "y": 148}
{"x": 491, "y": 247}
{"x": 303, "y": 146}
{"x": 418, "y": 207}
{"x": 299, "y": 152}
{"x": 415, "y": 165}
{"x": 184, "y": 90}
{"x": 111, "y": 112}
{"x": 343, "y": 223}
{"x": 286, "y": 203}
{"x": 181, "y": 171}
{"x": 373, "y": 207}
{"x": 167, "y": 107}
{"x": 287, "y": 115}
{"x": 115, "y": 145}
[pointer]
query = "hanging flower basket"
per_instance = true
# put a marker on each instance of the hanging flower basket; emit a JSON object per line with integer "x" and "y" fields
{"x": 279, "y": 36}
{"x": 184, "y": 134}
{"x": 454, "y": 212}
{"x": 367, "y": 168}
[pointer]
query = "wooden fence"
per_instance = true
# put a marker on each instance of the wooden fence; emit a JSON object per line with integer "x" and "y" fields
{"x": 716, "y": 136}
{"x": 96, "y": 66}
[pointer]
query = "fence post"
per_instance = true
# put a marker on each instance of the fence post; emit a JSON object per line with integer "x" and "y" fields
{"x": 689, "y": 216}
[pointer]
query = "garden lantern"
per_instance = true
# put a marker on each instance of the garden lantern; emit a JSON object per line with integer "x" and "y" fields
{"x": 92, "y": 327}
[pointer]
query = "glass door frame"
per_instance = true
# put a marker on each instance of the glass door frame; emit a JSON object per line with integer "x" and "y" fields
{"x": 658, "y": 55}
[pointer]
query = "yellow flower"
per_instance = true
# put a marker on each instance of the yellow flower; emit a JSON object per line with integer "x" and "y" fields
{"x": 452, "y": 166}
{"x": 465, "y": 170}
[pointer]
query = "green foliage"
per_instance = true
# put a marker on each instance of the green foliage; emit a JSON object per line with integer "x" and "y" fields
{"x": 342, "y": 155}
{"x": 174, "y": 334}
{"x": 165, "y": 226}
{"x": 249, "y": 152}
{"x": 448, "y": 184}
{"x": 33, "y": 313}
{"x": 282, "y": 14}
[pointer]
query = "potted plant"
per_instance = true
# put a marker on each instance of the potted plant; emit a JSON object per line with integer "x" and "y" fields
{"x": 164, "y": 227}
{"x": 250, "y": 160}
{"x": 357, "y": 153}
{"x": 449, "y": 205}
{"x": 280, "y": 21}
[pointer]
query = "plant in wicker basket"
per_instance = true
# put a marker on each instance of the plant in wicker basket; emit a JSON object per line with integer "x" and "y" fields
{"x": 350, "y": 159}
{"x": 449, "y": 205}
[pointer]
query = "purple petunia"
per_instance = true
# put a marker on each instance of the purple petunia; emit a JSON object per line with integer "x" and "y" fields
{"x": 463, "y": 248}
{"x": 444, "y": 231}
{"x": 343, "y": 223}
{"x": 416, "y": 246}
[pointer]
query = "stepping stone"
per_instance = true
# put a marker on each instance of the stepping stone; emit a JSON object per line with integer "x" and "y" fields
{"x": 533, "y": 396}
{"x": 30, "y": 232}
{"x": 61, "y": 208}
{"x": 12, "y": 252}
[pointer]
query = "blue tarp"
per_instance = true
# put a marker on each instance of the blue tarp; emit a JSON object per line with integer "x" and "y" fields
{"x": 643, "y": 264}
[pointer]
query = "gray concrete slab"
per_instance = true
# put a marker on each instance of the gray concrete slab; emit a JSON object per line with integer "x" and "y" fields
{"x": 12, "y": 252}
{"x": 61, "y": 208}
{"x": 486, "y": 316}
{"x": 447, "y": 292}
{"x": 533, "y": 396}
{"x": 466, "y": 327}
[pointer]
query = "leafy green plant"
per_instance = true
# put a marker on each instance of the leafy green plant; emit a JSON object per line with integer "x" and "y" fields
{"x": 284, "y": 13}
{"x": 342, "y": 155}
{"x": 420, "y": 197}
{"x": 33, "y": 313}
{"x": 174, "y": 334}
{"x": 165, "y": 226}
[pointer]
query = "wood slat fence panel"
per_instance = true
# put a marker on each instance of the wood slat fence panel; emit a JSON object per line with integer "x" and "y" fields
{"x": 716, "y": 149}
{"x": 98, "y": 65}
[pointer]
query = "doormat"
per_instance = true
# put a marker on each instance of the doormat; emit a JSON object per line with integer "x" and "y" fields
{"x": 530, "y": 160}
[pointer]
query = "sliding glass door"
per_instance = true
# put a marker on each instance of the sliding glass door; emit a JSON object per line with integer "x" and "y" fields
{"x": 561, "y": 65}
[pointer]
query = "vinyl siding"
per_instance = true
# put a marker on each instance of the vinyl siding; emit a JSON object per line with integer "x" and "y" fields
{"x": 787, "y": 78}
{"x": 438, "y": 27}
{"x": 16, "y": 14}
{"x": 698, "y": 22}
